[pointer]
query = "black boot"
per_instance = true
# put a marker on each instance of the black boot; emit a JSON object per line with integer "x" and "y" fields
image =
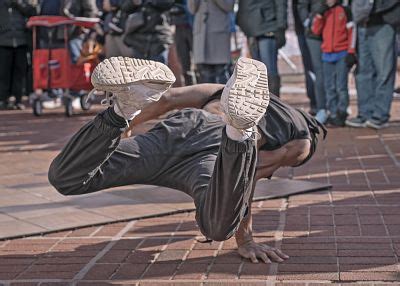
{"x": 274, "y": 84}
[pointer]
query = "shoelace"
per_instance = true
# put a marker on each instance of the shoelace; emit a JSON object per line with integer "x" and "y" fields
{"x": 110, "y": 100}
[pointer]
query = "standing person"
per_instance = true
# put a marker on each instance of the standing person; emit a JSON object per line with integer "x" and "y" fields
{"x": 306, "y": 57}
{"x": 113, "y": 28}
{"x": 78, "y": 8}
{"x": 376, "y": 70}
{"x": 13, "y": 50}
{"x": 211, "y": 39}
{"x": 183, "y": 21}
{"x": 264, "y": 23}
{"x": 336, "y": 27}
{"x": 148, "y": 33}
{"x": 208, "y": 149}
{"x": 307, "y": 10}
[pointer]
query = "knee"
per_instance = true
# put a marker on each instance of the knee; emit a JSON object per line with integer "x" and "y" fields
{"x": 60, "y": 182}
{"x": 217, "y": 233}
{"x": 300, "y": 151}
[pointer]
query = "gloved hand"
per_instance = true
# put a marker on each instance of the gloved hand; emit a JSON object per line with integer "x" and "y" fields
{"x": 321, "y": 9}
{"x": 280, "y": 38}
{"x": 350, "y": 60}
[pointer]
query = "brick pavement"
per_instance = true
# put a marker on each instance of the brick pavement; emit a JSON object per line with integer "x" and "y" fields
{"x": 350, "y": 233}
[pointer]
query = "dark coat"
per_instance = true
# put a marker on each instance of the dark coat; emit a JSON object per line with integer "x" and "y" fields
{"x": 154, "y": 36}
{"x": 306, "y": 10}
{"x": 13, "y": 18}
{"x": 260, "y": 17}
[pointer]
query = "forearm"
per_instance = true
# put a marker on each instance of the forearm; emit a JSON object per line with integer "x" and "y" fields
{"x": 244, "y": 233}
{"x": 177, "y": 98}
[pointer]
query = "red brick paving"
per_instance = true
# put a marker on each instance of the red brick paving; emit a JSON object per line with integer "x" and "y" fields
{"x": 350, "y": 233}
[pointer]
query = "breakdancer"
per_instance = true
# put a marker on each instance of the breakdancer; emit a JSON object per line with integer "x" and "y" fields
{"x": 221, "y": 141}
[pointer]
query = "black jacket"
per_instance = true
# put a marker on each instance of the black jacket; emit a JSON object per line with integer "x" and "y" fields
{"x": 307, "y": 9}
{"x": 13, "y": 18}
{"x": 260, "y": 17}
{"x": 81, "y": 8}
{"x": 155, "y": 35}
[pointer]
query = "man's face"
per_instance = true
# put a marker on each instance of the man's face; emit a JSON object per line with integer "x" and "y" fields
{"x": 330, "y": 3}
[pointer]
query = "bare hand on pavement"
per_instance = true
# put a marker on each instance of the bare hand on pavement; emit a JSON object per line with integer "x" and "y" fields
{"x": 255, "y": 251}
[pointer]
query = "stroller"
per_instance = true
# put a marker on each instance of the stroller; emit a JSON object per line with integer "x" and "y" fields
{"x": 53, "y": 71}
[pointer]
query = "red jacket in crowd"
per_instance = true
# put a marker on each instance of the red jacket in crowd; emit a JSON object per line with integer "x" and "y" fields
{"x": 336, "y": 29}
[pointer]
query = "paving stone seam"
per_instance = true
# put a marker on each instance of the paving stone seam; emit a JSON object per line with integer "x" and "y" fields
{"x": 389, "y": 151}
{"x": 184, "y": 258}
{"x": 33, "y": 262}
{"x": 385, "y": 176}
{"x": 278, "y": 237}
{"x": 335, "y": 235}
{"x": 126, "y": 258}
{"x": 100, "y": 254}
{"x": 161, "y": 282}
{"x": 209, "y": 267}
{"x": 161, "y": 250}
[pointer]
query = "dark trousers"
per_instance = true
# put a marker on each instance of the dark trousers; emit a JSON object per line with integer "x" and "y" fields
{"x": 314, "y": 46}
{"x": 13, "y": 72}
{"x": 188, "y": 151}
{"x": 184, "y": 46}
{"x": 212, "y": 73}
{"x": 306, "y": 57}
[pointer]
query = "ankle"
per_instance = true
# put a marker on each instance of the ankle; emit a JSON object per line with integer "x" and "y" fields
{"x": 239, "y": 135}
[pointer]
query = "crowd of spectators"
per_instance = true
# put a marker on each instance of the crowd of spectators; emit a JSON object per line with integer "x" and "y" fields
{"x": 333, "y": 37}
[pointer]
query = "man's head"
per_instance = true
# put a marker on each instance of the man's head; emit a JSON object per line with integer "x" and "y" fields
{"x": 330, "y": 3}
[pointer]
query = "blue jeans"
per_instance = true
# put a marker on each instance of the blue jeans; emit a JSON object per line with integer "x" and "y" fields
{"x": 314, "y": 46}
{"x": 75, "y": 47}
{"x": 162, "y": 57}
{"x": 376, "y": 71}
{"x": 305, "y": 54}
{"x": 335, "y": 79}
{"x": 268, "y": 54}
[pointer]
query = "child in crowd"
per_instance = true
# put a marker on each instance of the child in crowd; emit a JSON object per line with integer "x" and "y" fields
{"x": 338, "y": 48}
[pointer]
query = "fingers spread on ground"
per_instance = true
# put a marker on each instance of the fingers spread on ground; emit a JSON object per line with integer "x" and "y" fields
{"x": 253, "y": 257}
{"x": 275, "y": 257}
{"x": 281, "y": 254}
{"x": 264, "y": 257}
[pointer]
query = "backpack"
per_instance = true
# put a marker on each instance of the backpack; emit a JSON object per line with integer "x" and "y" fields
{"x": 361, "y": 9}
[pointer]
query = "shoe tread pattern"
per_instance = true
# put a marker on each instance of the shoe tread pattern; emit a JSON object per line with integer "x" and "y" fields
{"x": 118, "y": 71}
{"x": 248, "y": 95}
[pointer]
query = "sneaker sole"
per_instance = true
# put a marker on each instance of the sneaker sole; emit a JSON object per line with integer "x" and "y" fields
{"x": 248, "y": 97}
{"x": 355, "y": 125}
{"x": 376, "y": 127}
{"x": 118, "y": 73}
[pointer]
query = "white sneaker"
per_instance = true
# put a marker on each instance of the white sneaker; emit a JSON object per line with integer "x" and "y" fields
{"x": 134, "y": 83}
{"x": 245, "y": 97}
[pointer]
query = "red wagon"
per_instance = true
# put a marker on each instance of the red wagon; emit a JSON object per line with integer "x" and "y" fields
{"x": 53, "y": 70}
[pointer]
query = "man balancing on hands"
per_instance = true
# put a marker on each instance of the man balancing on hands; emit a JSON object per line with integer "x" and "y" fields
{"x": 221, "y": 141}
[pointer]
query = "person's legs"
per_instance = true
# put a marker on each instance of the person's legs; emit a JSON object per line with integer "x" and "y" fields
{"x": 314, "y": 46}
{"x": 365, "y": 76}
{"x": 381, "y": 40}
{"x": 329, "y": 70}
{"x": 205, "y": 73}
{"x": 221, "y": 73}
{"x": 183, "y": 40}
{"x": 342, "y": 72}
{"x": 75, "y": 48}
{"x": 306, "y": 57}
{"x": 6, "y": 60}
{"x": 269, "y": 56}
{"x": 19, "y": 73}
